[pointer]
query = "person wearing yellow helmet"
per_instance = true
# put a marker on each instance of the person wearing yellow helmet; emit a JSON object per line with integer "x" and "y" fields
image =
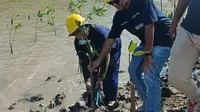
{"x": 144, "y": 20}
{"x": 106, "y": 75}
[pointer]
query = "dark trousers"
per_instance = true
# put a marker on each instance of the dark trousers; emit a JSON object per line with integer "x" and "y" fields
{"x": 110, "y": 83}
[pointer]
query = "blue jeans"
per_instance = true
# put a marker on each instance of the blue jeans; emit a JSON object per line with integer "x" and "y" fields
{"x": 148, "y": 84}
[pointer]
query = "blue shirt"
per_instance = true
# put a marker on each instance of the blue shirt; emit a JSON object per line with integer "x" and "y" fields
{"x": 139, "y": 14}
{"x": 192, "y": 20}
{"x": 97, "y": 36}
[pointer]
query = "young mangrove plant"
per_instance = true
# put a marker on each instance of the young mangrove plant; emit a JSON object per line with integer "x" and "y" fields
{"x": 91, "y": 54}
{"x": 75, "y": 6}
{"x": 40, "y": 16}
{"x": 51, "y": 20}
{"x": 13, "y": 26}
{"x": 97, "y": 12}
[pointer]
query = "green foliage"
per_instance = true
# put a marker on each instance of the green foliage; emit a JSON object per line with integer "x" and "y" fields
{"x": 50, "y": 11}
{"x": 14, "y": 25}
{"x": 90, "y": 49}
{"x": 41, "y": 14}
{"x": 97, "y": 12}
{"x": 169, "y": 15}
{"x": 131, "y": 48}
{"x": 17, "y": 26}
{"x": 75, "y": 6}
{"x": 51, "y": 21}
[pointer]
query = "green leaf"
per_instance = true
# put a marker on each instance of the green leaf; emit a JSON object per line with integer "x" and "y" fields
{"x": 14, "y": 14}
{"x": 103, "y": 13}
{"x": 80, "y": 6}
{"x": 132, "y": 46}
{"x": 94, "y": 9}
{"x": 48, "y": 12}
{"x": 53, "y": 17}
{"x": 74, "y": 11}
{"x": 170, "y": 16}
{"x": 90, "y": 17}
{"x": 17, "y": 26}
{"x": 39, "y": 14}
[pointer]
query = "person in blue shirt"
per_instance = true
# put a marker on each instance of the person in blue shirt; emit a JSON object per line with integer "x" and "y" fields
{"x": 143, "y": 19}
{"x": 185, "y": 51}
{"x": 106, "y": 77}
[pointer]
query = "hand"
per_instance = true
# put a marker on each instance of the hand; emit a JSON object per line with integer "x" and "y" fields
{"x": 172, "y": 31}
{"x": 88, "y": 84}
{"x": 93, "y": 65}
{"x": 99, "y": 85}
{"x": 147, "y": 63}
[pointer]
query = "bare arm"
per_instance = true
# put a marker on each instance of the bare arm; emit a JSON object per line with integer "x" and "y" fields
{"x": 181, "y": 7}
{"x": 104, "y": 67}
{"x": 149, "y": 37}
{"x": 106, "y": 48}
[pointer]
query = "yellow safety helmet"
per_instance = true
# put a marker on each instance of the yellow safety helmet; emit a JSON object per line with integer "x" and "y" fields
{"x": 107, "y": 1}
{"x": 73, "y": 22}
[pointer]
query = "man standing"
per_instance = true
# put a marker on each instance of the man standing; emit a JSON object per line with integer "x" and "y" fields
{"x": 143, "y": 19}
{"x": 185, "y": 51}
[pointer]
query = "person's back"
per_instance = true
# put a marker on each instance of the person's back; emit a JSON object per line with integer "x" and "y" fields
{"x": 98, "y": 34}
{"x": 192, "y": 20}
{"x": 139, "y": 14}
{"x": 101, "y": 35}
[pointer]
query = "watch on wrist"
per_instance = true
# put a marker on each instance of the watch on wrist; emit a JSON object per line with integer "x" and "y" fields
{"x": 148, "y": 54}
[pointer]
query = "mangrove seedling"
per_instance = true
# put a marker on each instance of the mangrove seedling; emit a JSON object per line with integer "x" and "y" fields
{"x": 91, "y": 54}
{"x": 97, "y": 11}
{"x": 51, "y": 20}
{"x": 75, "y": 6}
{"x": 40, "y": 14}
{"x": 13, "y": 26}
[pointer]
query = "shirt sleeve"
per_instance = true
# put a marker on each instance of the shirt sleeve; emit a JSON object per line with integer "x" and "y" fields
{"x": 149, "y": 14}
{"x": 116, "y": 28}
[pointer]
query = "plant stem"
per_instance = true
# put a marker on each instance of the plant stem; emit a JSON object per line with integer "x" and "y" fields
{"x": 92, "y": 90}
{"x": 90, "y": 15}
{"x": 14, "y": 36}
{"x": 36, "y": 30}
{"x": 54, "y": 28}
{"x": 10, "y": 42}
